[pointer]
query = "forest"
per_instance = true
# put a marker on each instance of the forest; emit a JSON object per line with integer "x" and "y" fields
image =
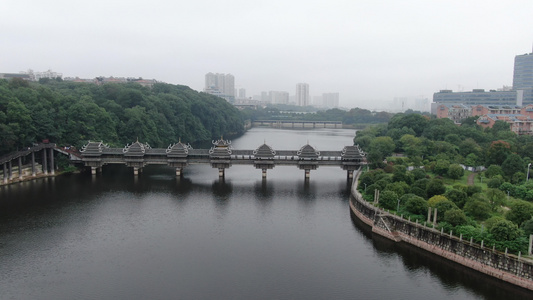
{"x": 69, "y": 113}
{"x": 476, "y": 178}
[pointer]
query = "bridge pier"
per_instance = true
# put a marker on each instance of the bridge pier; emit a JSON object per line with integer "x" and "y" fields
{"x": 33, "y": 171}
{"x": 350, "y": 174}
{"x": 9, "y": 171}
{"x": 96, "y": 170}
{"x": 178, "y": 172}
{"x": 137, "y": 170}
{"x": 307, "y": 173}
{"x": 20, "y": 168}
{"x": 264, "y": 173}
{"x": 5, "y": 172}
{"x": 52, "y": 169}
{"x": 221, "y": 172}
{"x": 45, "y": 162}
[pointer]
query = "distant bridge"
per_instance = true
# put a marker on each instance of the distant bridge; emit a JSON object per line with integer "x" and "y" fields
{"x": 297, "y": 124}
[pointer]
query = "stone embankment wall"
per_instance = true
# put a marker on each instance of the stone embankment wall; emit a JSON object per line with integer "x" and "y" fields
{"x": 509, "y": 268}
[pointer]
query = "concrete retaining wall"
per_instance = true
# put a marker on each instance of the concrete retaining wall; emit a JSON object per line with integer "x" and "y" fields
{"x": 494, "y": 263}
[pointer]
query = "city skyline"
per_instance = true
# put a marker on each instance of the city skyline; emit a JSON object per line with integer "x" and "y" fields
{"x": 370, "y": 53}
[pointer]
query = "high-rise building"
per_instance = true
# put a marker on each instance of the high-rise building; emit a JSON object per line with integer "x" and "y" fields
{"x": 221, "y": 85}
{"x": 330, "y": 100}
{"x": 523, "y": 78}
{"x": 302, "y": 94}
{"x": 242, "y": 93}
{"x": 523, "y": 72}
{"x": 279, "y": 97}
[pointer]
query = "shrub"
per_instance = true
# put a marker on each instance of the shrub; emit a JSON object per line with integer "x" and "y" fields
{"x": 455, "y": 217}
{"x": 416, "y": 205}
{"x": 504, "y": 230}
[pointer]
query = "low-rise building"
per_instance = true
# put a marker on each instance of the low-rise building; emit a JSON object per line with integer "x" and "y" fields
{"x": 519, "y": 124}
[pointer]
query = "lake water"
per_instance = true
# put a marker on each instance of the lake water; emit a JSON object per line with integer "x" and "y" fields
{"x": 155, "y": 236}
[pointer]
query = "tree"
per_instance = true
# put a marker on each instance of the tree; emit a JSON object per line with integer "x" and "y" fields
{"x": 388, "y": 199}
{"x": 416, "y": 205}
{"x": 443, "y": 207}
{"x": 435, "y": 187}
{"x": 412, "y": 145}
{"x": 477, "y": 207}
{"x": 493, "y": 170}
{"x": 527, "y": 227}
{"x": 496, "y": 198}
{"x": 520, "y": 212}
{"x": 497, "y": 152}
{"x": 400, "y": 188}
{"x": 456, "y": 196}
{"x": 414, "y": 121}
{"x": 455, "y": 217}
{"x": 504, "y": 230}
{"x": 512, "y": 164}
{"x": 383, "y": 144}
{"x": 455, "y": 171}
{"x": 433, "y": 201}
{"x": 441, "y": 167}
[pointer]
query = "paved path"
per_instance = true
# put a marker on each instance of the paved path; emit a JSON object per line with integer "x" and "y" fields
{"x": 471, "y": 177}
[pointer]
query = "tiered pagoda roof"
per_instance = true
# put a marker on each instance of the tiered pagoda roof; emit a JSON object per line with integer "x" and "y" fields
{"x": 352, "y": 152}
{"x": 136, "y": 149}
{"x": 93, "y": 148}
{"x": 221, "y": 148}
{"x": 264, "y": 151}
{"x": 178, "y": 150}
{"x": 308, "y": 151}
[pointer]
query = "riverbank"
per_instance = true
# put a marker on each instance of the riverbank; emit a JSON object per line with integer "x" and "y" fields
{"x": 507, "y": 267}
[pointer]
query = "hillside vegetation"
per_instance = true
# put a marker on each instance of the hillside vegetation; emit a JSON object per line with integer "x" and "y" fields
{"x": 418, "y": 163}
{"x": 71, "y": 113}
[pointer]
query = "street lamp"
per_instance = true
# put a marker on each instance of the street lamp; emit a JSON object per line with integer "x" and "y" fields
{"x": 527, "y": 176}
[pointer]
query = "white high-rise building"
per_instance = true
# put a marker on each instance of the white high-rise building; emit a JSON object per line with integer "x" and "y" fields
{"x": 302, "y": 94}
{"x": 221, "y": 85}
{"x": 242, "y": 93}
{"x": 330, "y": 100}
{"x": 278, "y": 97}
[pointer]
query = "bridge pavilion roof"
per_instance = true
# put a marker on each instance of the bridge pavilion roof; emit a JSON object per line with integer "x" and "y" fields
{"x": 308, "y": 151}
{"x": 136, "y": 149}
{"x": 93, "y": 148}
{"x": 264, "y": 151}
{"x": 178, "y": 150}
{"x": 352, "y": 152}
{"x": 221, "y": 149}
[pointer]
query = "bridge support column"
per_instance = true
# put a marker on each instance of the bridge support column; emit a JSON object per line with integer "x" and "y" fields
{"x": 33, "y": 171}
{"x": 178, "y": 172}
{"x": 264, "y": 173}
{"x": 307, "y": 173}
{"x": 20, "y": 168}
{"x": 221, "y": 172}
{"x": 136, "y": 171}
{"x": 45, "y": 162}
{"x": 5, "y": 172}
{"x": 350, "y": 174}
{"x": 9, "y": 171}
{"x": 52, "y": 171}
{"x": 94, "y": 170}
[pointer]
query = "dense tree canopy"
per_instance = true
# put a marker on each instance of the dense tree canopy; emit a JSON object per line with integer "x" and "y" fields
{"x": 71, "y": 113}
{"x": 493, "y": 206}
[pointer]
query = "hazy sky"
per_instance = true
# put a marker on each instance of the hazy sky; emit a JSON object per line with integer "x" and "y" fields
{"x": 368, "y": 51}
